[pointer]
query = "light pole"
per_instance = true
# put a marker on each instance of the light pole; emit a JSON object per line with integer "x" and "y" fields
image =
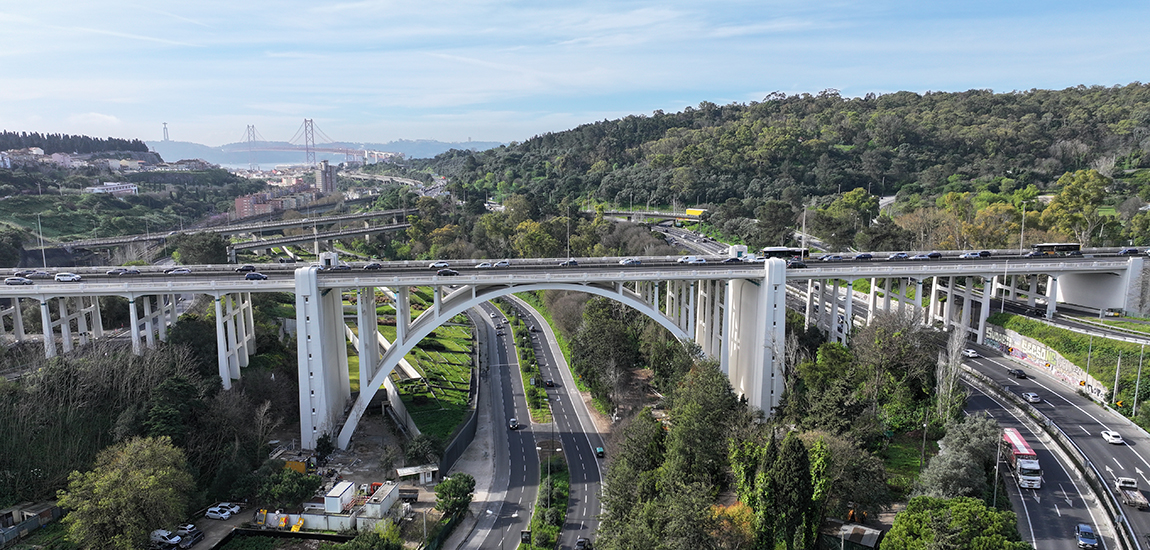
{"x": 1138, "y": 382}
{"x": 1022, "y": 234}
{"x": 40, "y": 230}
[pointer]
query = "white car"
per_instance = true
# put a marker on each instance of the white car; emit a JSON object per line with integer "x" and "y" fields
{"x": 483, "y": 265}
{"x": 691, "y": 260}
{"x": 186, "y": 528}
{"x": 439, "y": 265}
{"x": 231, "y": 507}
{"x": 165, "y": 537}
{"x": 1031, "y": 397}
{"x": 630, "y": 261}
{"x": 1112, "y": 437}
{"x": 970, "y": 353}
{"x": 502, "y": 263}
{"x": 216, "y": 512}
{"x": 67, "y": 277}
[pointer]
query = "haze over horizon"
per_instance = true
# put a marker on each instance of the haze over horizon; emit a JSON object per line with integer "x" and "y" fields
{"x": 378, "y": 71}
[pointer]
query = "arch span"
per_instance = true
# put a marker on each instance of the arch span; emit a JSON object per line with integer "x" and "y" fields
{"x": 465, "y": 298}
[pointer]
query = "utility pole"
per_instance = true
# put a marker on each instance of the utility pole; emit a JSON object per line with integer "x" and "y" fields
{"x": 43, "y": 254}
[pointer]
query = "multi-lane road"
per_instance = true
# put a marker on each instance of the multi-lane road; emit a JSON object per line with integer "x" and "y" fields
{"x": 1082, "y": 421}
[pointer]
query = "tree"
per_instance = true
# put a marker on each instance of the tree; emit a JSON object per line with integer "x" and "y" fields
{"x": 793, "y": 490}
{"x": 453, "y": 495}
{"x": 286, "y": 488}
{"x": 201, "y": 248}
{"x": 1074, "y": 209}
{"x": 961, "y": 522}
{"x": 135, "y": 487}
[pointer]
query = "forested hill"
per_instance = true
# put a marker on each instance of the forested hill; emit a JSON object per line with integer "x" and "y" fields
{"x": 788, "y": 147}
{"x": 64, "y": 143}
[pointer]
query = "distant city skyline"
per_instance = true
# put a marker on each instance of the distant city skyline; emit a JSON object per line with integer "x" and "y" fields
{"x": 378, "y": 71}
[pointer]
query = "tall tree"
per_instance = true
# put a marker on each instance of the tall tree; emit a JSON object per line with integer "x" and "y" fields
{"x": 1074, "y": 209}
{"x": 135, "y": 487}
{"x": 793, "y": 491}
{"x": 453, "y": 495}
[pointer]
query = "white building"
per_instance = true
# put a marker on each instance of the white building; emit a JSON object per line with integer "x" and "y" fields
{"x": 114, "y": 188}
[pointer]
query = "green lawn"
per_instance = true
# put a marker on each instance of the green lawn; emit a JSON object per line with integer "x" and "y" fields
{"x": 902, "y": 460}
{"x": 1128, "y": 325}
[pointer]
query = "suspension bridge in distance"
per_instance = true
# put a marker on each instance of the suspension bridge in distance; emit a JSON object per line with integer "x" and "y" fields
{"x": 304, "y": 142}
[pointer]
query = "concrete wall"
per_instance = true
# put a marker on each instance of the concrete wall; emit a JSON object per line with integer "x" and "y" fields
{"x": 1041, "y": 356}
{"x": 1095, "y": 290}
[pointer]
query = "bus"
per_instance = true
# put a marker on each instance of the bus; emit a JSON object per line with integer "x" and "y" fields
{"x": 1056, "y": 248}
{"x": 785, "y": 252}
{"x": 1022, "y": 460}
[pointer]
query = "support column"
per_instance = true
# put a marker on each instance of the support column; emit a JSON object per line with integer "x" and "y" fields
{"x": 149, "y": 323}
{"x": 225, "y": 370}
{"x": 134, "y": 320}
{"x": 65, "y": 325}
{"x": 1032, "y": 296}
{"x": 886, "y": 295}
{"x": 984, "y": 310}
{"x": 233, "y": 337}
{"x": 933, "y": 308}
{"x": 18, "y": 321}
{"x": 966, "y": 303}
{"x": 1051, "y": 296}
{"x": 402, "y": 314}
{"x": 947, "y": 308}
{"x": 849, "y": 325}
{"x": 368, "y": 329}
{"x": 810, "y": 302}
{"x": 872, "y": 300}
{"x": 919, "y": 309}
{"x": 162, "y": 307}
{"x": 49, "y": 334}
{"x": 692, "y": 289}
{"x": 833, "y": 334}
{"x": 82, "y": 320}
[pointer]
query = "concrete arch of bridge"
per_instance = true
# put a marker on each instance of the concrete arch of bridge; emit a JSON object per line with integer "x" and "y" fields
{"x": 465, "y": 298}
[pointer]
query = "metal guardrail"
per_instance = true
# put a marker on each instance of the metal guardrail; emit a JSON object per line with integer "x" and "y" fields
{"x": 1124, "y": 533}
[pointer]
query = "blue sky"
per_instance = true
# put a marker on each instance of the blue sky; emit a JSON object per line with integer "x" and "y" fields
{"x": 375, "y": 71}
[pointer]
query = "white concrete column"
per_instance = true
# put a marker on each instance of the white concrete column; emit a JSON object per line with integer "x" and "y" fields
{"x": 966, "y": 302}
{"x": 849, "y": 325}
{"x": 65, "y": 325}
{"x": 1051, "y": 296}
{"x": 872, "y": 300}
{"x": 49, "y": 334}
{"x": 18, "y": 320}
{"x": 149, "y": 323}
{"x": 933, "y": 306}
{"x": 134, "y": 324}
{"x": 692, "y": 291}
{"x": 225, "y": 370}
{"x": 402, "y": 314}
{"x": 97, "y": 320}
{"x": 810, "y": 302}
{"x": 368, "y": 330}
{"x": 984, "y": 310}
{"x": 919, "y": 309}
{"x": 1032, "y": 296}
{"x": 947, "y": 308}
{"x": 833, "y": 314}
{"x": 233, "y": 336}
{"x": 82, "y": 320}
{"x": 886, "y": 295}
{"x": 162, "y": 307}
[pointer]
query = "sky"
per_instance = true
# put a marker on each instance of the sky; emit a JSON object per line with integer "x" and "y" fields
{"x": 376, "y": 71}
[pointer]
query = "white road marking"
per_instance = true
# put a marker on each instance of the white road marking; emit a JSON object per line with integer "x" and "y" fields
{"x": 1118, "y": 463}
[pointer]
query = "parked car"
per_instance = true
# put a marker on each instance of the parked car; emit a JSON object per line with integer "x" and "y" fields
{"x": 629, "y": 261}
{"x": 18, "y": 281}
{"x": 164, "y": 537}
{"x": 1031, "y": 397}
{"x": 216, "y": 512}
{"x": 970, "y": 353}
{"x": 192, "y": 538}
{"x": 185, "y": 528}
{"x": 438, "y": 264}
{"x": 64, "y": 277}
{"x": 231, "y": 507}
{"x": 1085, "y": 536}
{"x": 255, "y": 276}
{"x": 1112, "y": 437}
{"x": 447, "y": 273}
{"x": 245, "y": 267}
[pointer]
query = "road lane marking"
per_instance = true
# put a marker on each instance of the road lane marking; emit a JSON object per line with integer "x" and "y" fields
{"x": 1118, "y": 463}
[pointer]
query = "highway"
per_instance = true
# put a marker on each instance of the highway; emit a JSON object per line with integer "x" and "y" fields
{"x": 572, "y": 426}
{"x": 516, "y": 461}
{"x": 1082, "y": 421}
{"x": 1046, "y": 516}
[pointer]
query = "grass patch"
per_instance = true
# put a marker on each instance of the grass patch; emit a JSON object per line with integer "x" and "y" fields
{"x": 1128, "y": 325}
{"x": 536, "y": 301}
{"x": 53, "y": 536}
{"x": 551, "y": 503}
{"x": 535, "y": 394}
{"x": 902, "y": 458}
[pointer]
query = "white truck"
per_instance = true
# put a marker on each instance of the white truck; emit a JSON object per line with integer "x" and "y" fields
{"x": 1128, "y": 493}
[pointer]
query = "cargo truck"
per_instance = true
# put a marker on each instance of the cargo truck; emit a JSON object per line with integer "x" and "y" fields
{"x": 1128, "y": 493}
{"x": 1022, "y": 460}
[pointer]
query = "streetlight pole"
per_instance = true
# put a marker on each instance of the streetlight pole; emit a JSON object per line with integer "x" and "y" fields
{"x": 40, "y": 230}
{"x": 1022, "y": 234}
{"x": 1138, "y": 382}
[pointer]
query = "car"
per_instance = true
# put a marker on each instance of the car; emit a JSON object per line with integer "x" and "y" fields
{"x": 630, "y": 261}
{"x": 177, "y": 271}
{"x": 39, "y": 275}
{"x": 373, "y": 266}
{"x": 1085, "y": 536}
{"x": 164, "y": 537}
{"x": 1034, "y": 254}
{"x": 186, "y": 528}
{"x": 898, "y": 256}
{"x": 337, "y": 267}
{"x": 686, "y": 260}
{"x": 983, "y": 253}
{"x": 1129, "y": 252}
{"x": 231, "y": 507}
{"x": 502, "y": 263}
{"x": 217, "y": 513}
{"x": 245, "y": 268}
{"x": 23, "y": 272}
{"x": 599, "y": 452}
{"x": 970, "y": 353}
{"x": 832, "y": 258}
{"x": 513, "y": 424}
{"x": 255, "y": 276}
{"x": 935, "y": 255}
{"x": 969, "y": 256}
{"x": 499, "y": 333}
{"x": 919, "y": 257}
{"x": 533, "y": 328}
{"x": 1017, "y": 373}
{"x": 569, "y": 263}
{"x": 447, "y": 273}
{"x": 583, "y": 543}
{"x": 732, "y": 260}
{"x": 549, "y": 383}
{"x": 1074, "y": 254}
{"x": 1031, "y": 397}
{"x": 483, "y": 265}
{"x": 192, "y": 538}
{"x": 864, "y": 256}
{"x": 438, "y": 264}
{"x": 18, "y": 281}
{"x": 65, "y": 277}
{"x": 115, "y": 271}
{"x": 796, "y": 264}
{"x": 1112, "y": 437}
